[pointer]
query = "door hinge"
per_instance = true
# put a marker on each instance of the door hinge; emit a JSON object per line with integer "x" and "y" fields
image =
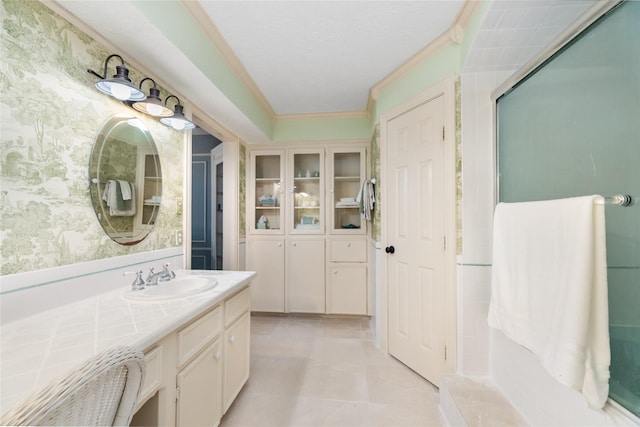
{"x": 444, "y": 243}
{"x": 445, "y": 352}
{"x": 443, "y": 133}
{"x": 177, "y": 393}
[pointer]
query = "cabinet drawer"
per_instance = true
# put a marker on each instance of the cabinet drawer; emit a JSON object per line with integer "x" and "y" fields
{"x": 236, "y": 305}
{"x": 153, "y": 377}
{"x": 348, "y": 250}
{"x": 195, "y": 336}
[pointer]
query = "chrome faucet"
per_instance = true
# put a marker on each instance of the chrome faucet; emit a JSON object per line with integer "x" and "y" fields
{"x": 138, "y": 282}
{"x": 163, "y": 276}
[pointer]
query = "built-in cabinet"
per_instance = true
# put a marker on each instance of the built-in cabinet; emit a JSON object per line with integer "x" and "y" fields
{"x": 194, "y": 374}
{"x": 302, "y": 207}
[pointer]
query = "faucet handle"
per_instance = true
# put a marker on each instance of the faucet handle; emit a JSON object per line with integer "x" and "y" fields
{"x": 138, "y": 283}
{"x": 152, "y": 277}
{"x": 166, "y": 269}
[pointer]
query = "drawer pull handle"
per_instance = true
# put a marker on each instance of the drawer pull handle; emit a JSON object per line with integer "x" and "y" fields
{"x": 232, "y": 338}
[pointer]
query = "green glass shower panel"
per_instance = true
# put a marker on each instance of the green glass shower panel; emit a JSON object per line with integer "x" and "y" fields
{"x": 572, "y": 128}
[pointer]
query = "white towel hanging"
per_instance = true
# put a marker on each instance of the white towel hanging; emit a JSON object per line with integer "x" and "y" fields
{"x": 366, "y": 199}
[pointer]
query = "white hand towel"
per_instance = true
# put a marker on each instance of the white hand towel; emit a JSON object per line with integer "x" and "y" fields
{"x": 125, "y": 187}
{"x": 114, "y": 199}
{"x": 549, "y": 288}
{"x": 366, "y": 199}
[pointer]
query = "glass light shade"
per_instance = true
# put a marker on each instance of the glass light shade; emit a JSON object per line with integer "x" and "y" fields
{"x": 120, "y": 89}
{"x": 152, "y": 107}
{"x": 178, "y": 121}
{"x": 153, "y": 104}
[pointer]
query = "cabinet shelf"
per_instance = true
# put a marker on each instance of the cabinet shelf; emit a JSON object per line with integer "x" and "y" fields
{"x": 272, "y": 208}
{"x": 347, "y": 178}
{"x": 307, "y": 207}
{"x": 304, "y": 178}
{"x": 268, "y": 179}
{"x": 347, "y": 207}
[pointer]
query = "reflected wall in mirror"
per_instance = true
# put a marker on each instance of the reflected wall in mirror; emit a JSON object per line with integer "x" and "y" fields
{"x": 126, "y": 179}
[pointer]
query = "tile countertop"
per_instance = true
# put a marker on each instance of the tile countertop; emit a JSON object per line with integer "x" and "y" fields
{"x": 36, "y": 349}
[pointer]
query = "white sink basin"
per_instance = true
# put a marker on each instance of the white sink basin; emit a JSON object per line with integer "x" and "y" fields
{"x": 180, "y": 287}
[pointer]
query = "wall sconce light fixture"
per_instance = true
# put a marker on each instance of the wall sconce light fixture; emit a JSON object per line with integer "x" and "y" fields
{"x": 119, "y": 86}
{"x": 153, "y": 104}
{"x": 177, "y": 121}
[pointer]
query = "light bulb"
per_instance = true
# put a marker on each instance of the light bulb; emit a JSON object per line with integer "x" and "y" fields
{"x": 120, "y": 91}
{"x": 177, "y": 124}
{"x": 154, "y": 109}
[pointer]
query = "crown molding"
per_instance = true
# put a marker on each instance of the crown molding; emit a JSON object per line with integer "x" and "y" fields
{"x": 314, "y": 116}
{"x": 454, "y": 34}
{"x": 204, "y": 22}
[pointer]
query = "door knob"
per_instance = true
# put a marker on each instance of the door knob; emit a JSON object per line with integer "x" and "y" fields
{"x": 389, "y": 249}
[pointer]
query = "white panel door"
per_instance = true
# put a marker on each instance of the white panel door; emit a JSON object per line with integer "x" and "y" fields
{"x": 416, "y": 233}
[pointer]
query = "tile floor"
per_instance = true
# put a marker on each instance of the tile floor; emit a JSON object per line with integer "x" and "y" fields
{"x": 308, "y": 371}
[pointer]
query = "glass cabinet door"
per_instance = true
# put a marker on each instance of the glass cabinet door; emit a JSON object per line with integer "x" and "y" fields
{"x": 307, "y": 169}
{"x": 347, "y": 171}
{"x": 266, "y": 192}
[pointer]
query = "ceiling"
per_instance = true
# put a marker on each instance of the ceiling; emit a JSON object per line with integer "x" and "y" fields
{"x": 324, "y": 56}
{"x": 309, "y": 56}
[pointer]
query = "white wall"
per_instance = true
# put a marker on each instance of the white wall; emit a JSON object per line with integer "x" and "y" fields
{"x": 482, "y": 351}
{"x": 474, "y": 266}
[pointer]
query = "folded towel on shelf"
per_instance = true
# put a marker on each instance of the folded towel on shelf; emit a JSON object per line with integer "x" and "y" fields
{"x": 549, "y": 288}
{"x": 114, "y": 198}
{"x": 366, "y": 199}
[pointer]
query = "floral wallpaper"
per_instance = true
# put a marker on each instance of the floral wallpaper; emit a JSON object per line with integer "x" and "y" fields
{"x": 375, "y": 173}
{"x": 51, "y": 113}
{"x": 458, "y": 124}
{"x": 242, "y": 197}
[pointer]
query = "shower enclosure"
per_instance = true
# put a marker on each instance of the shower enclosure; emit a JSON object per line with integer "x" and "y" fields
{"x": 571, "y": 127}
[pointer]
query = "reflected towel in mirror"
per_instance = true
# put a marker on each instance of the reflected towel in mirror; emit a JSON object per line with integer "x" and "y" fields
{"x": 114, "y": 196}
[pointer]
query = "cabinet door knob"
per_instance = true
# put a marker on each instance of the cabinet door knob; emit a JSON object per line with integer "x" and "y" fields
{"x": 348, "y": 244}
{"x": 232, "y": 338}
{"x": 279, "y": 245}
{"x": 217, "y": 355}
{"x": 389, "y": 249}
{"x": 295, "y": 244}
{"x": 335, "y": 271}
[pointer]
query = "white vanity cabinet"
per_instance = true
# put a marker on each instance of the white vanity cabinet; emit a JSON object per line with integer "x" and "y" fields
{"x": 195, "y": 373}
{"x": 236, "y": 342}
{"x": 198, "y": 393}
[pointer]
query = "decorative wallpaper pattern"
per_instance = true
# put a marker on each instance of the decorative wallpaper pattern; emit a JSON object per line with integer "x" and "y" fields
{"x": 375, "y": 173}
{"x": 242, "y": 188}
{"x": 51, "y": 113}
{"x": 458, "y": 124}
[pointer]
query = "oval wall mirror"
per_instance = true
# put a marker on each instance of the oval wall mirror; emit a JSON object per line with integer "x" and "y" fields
{"x": 126, "y": 180}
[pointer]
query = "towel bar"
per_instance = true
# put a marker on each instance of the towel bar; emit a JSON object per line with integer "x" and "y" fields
{"x": 618, "y": 200}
